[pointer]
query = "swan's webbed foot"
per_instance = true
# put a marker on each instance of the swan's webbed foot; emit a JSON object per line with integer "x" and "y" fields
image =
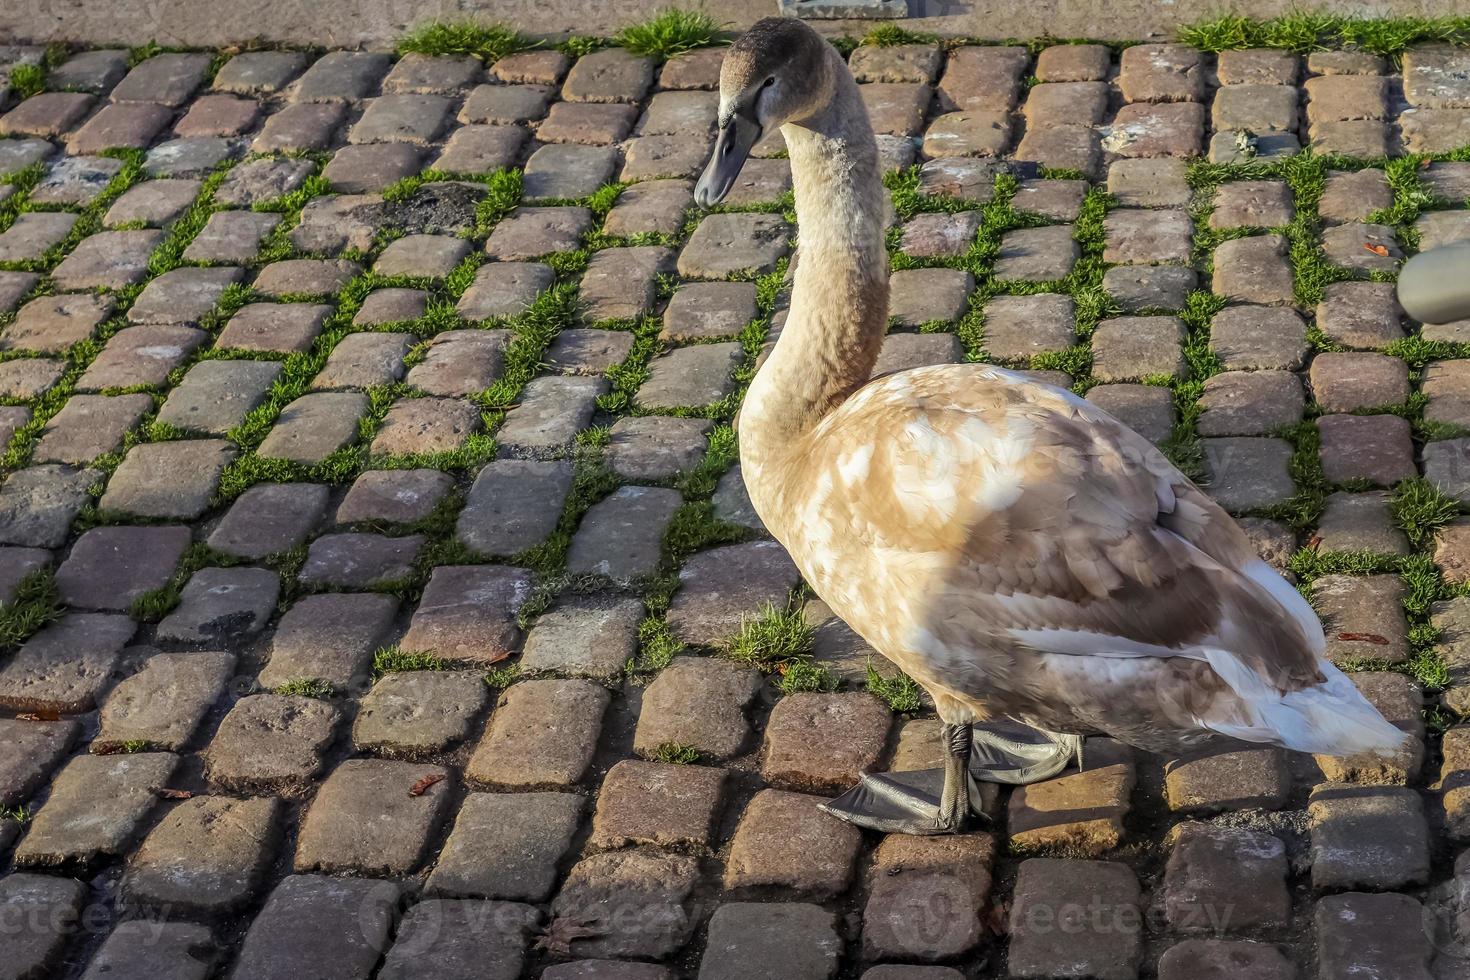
{"x": 942, "y": 801}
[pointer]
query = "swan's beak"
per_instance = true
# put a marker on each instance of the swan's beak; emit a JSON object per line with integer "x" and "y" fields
{"x": 731, "y": 149}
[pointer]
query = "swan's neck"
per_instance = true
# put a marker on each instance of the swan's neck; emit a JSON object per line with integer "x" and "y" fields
{"x": 839, "y": 299}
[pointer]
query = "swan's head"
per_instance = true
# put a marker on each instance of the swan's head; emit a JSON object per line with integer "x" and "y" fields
{"x": 774, "y": 73}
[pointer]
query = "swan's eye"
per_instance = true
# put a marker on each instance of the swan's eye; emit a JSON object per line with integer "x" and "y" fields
{"x": 769, "y": 82}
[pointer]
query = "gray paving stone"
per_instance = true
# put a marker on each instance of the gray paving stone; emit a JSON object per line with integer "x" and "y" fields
{"x": 1144, "y": 130}
{"x": 222, "y": 605}
{"x": 12, "y": 419}
{"x": 401, "y": 118}
{"x": 394, "y": 496}
{"x": 588, "y": 350}
{"x": 311, "y": 277}
{"x": 725, "y": 244}
{"x": 461, "y": 940}
{"x": 461, "y": 363}
{"x": 162, "y": 704}
{"x": 47, "y": 909}
{"x": 1354, "y": 195}
{"x": 366, "y": 818}
{"x": 584, "y": 637}
{"x": 89, "y": 426}
{"x": 1376, "y": 448}
{"x": 193, "y": 157}
{"x": 15, "y": 565}
{"x": 47, "y": 114}
{"x": 139, "y": 950}
{"x": 1447, "y": 466}
{"x": 1208, "y": 959}
{"x": 359, "y": 560}
{"x": 314, "y": 426}
{"x": 259, "y": 72}
{"x": 504, "y": 289}
{"x": 967, "y": 133}
{"x": 14, "y": 287}
{"x": 29, "y": 377}
{"x": 183, "y": 296}
{"x": 1254, "y": 270}
{"x": 657, "y": 803}
{"x": 1227, "y": 779}
{"x": 1252, "y": 204}
{"x": 263, "y": 180}
{"x": 269, "y": 518}
{"x": 1360, "y": 314}
{"x": 39, "y": 503}
{"x": 532, "y": 232}
{"x": 897, "y": 923}
{"x": 820, "y": 742}
{"x": 66, "y": 666}
{"x": 300, "y": 127}
{"x": 96, "y": 807}
{"x": 390, "y": 305}
{"x": 609, "y": 75}
{"x": 168, "y": 78}
{"x": 1103, "y": 943}
{"x": 421, "y": 712}
{"x": 653, "y": 448}
{"x": 743, "y": 934}
{"x": 1146, "y": 409}
{"x": 607, "y": 969}
{"x": 1367, "y": 837}
{"x": 1133, "y": 347}
{"x": 130, "y": 126}
{"x": 89, "y": 71}
{"x": 155, "y": 203}
{"x": 721, "y": 588}
{"x": 1365, "y": 934}
{"x": 784, "y": 842}
{"x": 926, "y": 296}
{"x": 513, "y": 505}
{"x": 732, "y": 503}
{"x": 1223, "y": 879}
{"x": 1246, "y": 473}
{"x": 76, "y": 180}
{"x": 208, "y": 855}
{"x": 550, "y": 413}
{"x": 542, "y": 734}
{"x": 691, "y": 376}
{"x": 1250, "y": 403}
{"x": 142, "y": 355}
{"x": 270, "y": 743}
{"x": 1058, "y": 200}
{"x": 330, "y": 638}
{"x": 1149, "y": 183}
{"x": 171, "y": 480}
{"x": 1138, "y": 288}
{"x": 17, "y": 154}
{"x": 215, "y": 396}
{"x": 578, "y": 122}
{"x": 1363, "y": 617}
{"x": 697, "y": 702}
{"x": 906, "y": 351}
{"x": 1346, "y": 382}
{"x": 342, "y": 76}
{"x": 505, "y": 104}
{"x": 566, "y": 171}
{"x": 507, "y": 846}
{"x": 32, "y": 234}
{"x": 1360, "y": 522}
{"x": 319, "y": 926}
{"x": 622, "y": 283}
{"x": 1036, "y": 254}
{"x": 653, "y": 206}
{"x": 468, "y": 614}
{"x": 1356, "y": 246}
{"x": 372, "y": 167}
{"x": 425, "y": 425}
{"x": 621, "y": 536}
{"x": 649, "y": 888}
{"x": 109, "y": 567}
{"x": 52, "y": 324}
{"x": 231, "y": 236}
{"x": 33, "y": 750}
{"x": 107, "y": 260}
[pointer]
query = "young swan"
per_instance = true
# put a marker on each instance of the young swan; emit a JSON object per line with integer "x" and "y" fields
{"x": 1043, "y": 571}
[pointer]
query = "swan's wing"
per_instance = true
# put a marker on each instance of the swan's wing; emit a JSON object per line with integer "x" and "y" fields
{"x": 1045, "y": 525}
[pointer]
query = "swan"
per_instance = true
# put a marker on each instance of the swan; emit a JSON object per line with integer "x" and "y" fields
{"x": 1041, "y": 570}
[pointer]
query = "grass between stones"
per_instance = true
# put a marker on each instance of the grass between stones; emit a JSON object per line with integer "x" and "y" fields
{"x": 34, "y": 606}
{"x": 1304, "y": 32}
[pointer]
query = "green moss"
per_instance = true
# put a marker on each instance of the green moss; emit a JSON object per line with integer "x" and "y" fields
{"x": 677, "y": 754}
{"x": 773, "y": 637}
{"x": 35, "y": 605}
{"x": 487, "y": 42}
{"x": 671, "y": 32}
{"x": 1420, "y": 509}
{"x": 392, "y": 660}
{"x": 891, "y": 35}
{"x": 1304, "y": 32}
{"x": 900, "y": 692}
{"x": 308, "y": 687}
{"x": 27, "y": 80}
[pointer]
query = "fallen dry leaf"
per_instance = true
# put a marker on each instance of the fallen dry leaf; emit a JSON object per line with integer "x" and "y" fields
{"x": 1373, "y": 638}
{"x": 1424, "y": 164}
{"x": 1314, "y": 541}
{"x": 422, "y": 786}
{"x": 1376, "y": 249}
{"x": 998, "y": 918}
{"x": 174, "y": 794}
{"x": 564, "y": 931}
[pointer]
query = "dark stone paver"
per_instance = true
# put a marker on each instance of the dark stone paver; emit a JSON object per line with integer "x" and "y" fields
{"x": 461, "y": 940}
{"x": 394, "y": 496}
{"x": 784, "y": 841}
{"x": 109, "y": 567}
{"x": 419, "y": 712}
{"x": 513, "y": 505}
{"x": 334, "y": 928}
{"x": 507, "y": 845}
{"x": 648, "y": 888}
{"x": 542, "y": 734}
{"x": 739, "y": 934}
{"x": 698, "y": 702}
{"x": 656, "y": 803}
{"x": 359, "y": 560}
{"x": 468, "y": 613}
{"x": 270, "y": 743}
{"x": 66, "y": 666}
{"x": 222, "y": 605}
{"x": 33, "y": 751}
{"x": 593, "y": 639}
{"x": 171, "y": 480}
{"x": 96, "y": 808}
{"x": 49, "y": 908}
{"x": 209, "y": 855}
{"x": 330, "y": 638}
{"x": 137, "y": 950}
{"x": 39, "y": 503}
{"x": 1075, "y": 917}
{"x": 269, "y": 518}
{"x": 162, "y": 704}
{"x": 370, "y": 818}
{"x": 215, "y": 396}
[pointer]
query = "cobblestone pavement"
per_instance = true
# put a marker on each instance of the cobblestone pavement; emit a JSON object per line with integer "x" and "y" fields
{"x": 381, "y": 594}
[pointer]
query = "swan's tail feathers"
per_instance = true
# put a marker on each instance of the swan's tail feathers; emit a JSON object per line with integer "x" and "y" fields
{"x": 1332, "y": 718}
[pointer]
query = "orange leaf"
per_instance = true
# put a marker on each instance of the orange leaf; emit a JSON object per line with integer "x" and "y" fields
{"x": 1424, "y": 164}
{"x": 1373, "y": 638}
{"x": 1314, "y": 541}
{"x": 1376, "y": 249}
{"x": 174, "y": 794}
{"x": 422, "y": 786}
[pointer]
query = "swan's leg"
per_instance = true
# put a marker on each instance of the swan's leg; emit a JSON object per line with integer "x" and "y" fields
{"x": 941, "y": 801}
{"x": 954, "y": 799}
